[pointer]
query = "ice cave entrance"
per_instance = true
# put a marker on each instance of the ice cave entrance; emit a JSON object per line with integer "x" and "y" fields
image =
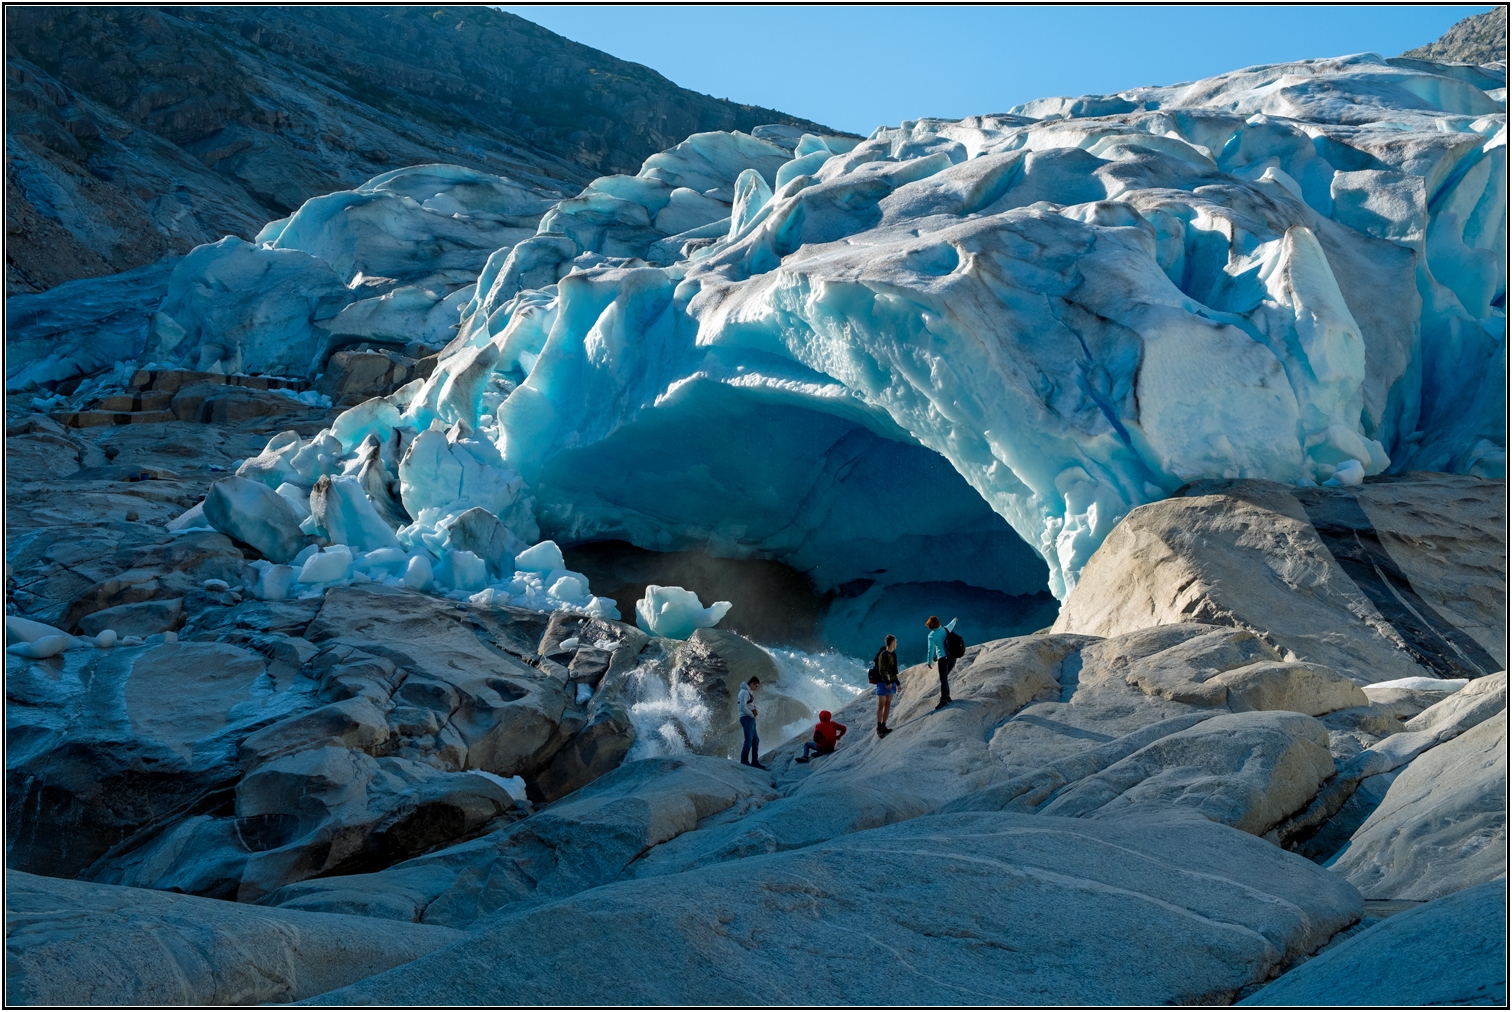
{"x": 822, "y": 531}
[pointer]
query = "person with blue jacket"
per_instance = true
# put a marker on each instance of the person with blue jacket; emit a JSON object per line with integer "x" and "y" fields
{"x": 937, "y": 652}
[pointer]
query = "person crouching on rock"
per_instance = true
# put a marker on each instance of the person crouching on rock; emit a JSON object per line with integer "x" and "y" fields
{"x": 938, "y": 652}
{"x": 886, "y": 666}
{"x": 827, "y": 734}
{"x": 751, "y": 750}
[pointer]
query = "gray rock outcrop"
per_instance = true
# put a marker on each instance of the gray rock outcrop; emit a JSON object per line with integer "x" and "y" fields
{"x": 881, "y": 917}
{"x": 1452, "y": 951}
{"x": 81, "y": 943}
{"x": 1441, "y": 826}
{"x": 1392, "y": 579}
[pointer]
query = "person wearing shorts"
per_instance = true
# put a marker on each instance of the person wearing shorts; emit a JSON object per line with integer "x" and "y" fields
{"x": 887, "y": 683}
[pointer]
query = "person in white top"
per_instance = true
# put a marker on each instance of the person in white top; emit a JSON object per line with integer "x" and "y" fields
{"x": 746, "y": 701}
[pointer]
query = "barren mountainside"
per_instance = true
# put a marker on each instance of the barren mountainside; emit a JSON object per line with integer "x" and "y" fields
{"x": 137, "y": 132}
{"x": 1481, "y": 38}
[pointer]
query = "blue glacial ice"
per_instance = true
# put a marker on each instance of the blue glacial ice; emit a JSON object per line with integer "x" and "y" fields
{"x": 676, "y": 613}
{"x": 954, "y": 353}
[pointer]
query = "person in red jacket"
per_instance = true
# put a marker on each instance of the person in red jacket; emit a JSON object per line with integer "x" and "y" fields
{"x": 827, "y": 734}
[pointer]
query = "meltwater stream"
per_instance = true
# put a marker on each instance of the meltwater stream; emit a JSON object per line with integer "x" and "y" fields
{"x": 671, "y": 717}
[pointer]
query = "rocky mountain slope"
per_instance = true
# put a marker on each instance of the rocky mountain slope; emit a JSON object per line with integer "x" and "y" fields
{"x": 1480, "y": 38}
{"x": 136, "y": 132}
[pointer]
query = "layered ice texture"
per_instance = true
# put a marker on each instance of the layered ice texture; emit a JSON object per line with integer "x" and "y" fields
{"x": 951, "y": 356}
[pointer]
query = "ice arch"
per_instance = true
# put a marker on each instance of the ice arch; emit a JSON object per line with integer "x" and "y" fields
{"x": 1295, "y": 272}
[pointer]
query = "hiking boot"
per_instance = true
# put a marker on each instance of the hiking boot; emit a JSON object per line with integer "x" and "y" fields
{"x": 801, "y": 759}
{"x": 758, "y": 766}
{"x": 942, "y": 704}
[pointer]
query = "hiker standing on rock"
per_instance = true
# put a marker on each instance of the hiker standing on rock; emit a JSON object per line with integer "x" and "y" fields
{"x": 751, "y": 750}
{"x": 941, "y": 641}
{"x": 884, "y": 674}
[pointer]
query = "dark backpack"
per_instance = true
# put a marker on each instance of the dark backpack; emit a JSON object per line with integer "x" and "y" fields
{"x": 954, "y": 645}
{"x": 872, "y": 675}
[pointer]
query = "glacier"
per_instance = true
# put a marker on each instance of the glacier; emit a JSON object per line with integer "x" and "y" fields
{"x": 953, "y": 354}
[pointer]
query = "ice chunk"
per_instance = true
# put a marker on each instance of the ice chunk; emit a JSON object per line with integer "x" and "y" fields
{"x": 298, "y": 498}
{"x": 418, "y": 573}
{"x": 604, "y": 608}
{"x": 341, "y": 507}
{"x": 274, "y": 466}
{"x": 252, "y": 512}
{"x": 462, "y": 570}
{"x": 105, "y": 639}
{"x": 329, "y": 566}
{"x": 568, "y": 588}
{"x": 80, "y": 327}
{"x": 542, "y": 558}
{"x": 515, "y": 786}
{"x": 192, "y": 519}
{"x": 1350, "y": 472}
{"x": 480, "y": 532}
{"x": 321, "y": 455}
{"x": 675, "y": 613}
{"x": 584, "y": 693}
{"x": 377, "y": 416}
{"x": 382, "y": 228}
{"x": 275, "y": 582}
{"x": 391, "y": 559}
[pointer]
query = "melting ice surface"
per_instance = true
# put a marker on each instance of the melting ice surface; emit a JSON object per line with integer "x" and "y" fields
{"x": 869, "y": 360}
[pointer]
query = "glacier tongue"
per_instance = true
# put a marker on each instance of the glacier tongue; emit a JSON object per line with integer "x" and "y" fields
{"x": 869, "y": 360}
{"x": 1284, "y": 272}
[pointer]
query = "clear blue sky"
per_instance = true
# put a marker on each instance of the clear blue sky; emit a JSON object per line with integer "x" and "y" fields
{"x": 857, "y": 67}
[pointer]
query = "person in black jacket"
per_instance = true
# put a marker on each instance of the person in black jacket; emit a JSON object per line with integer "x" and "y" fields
{"x": 887, "y": 683}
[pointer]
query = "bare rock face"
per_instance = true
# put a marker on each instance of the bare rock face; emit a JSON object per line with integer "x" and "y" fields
{"x": 1480, "y": 38}
{"x": 1452, "y": 951}
{"x": 581, "y": 842}
{"x": 1442, "y": 824}
{"x": 880, "y": 916}
{"x": 1397, "y": 578}
{"x": 105, "y": 745}
{"x": 81, "y": 943}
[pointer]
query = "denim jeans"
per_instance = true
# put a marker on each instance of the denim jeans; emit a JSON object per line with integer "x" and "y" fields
{"x": 752, "y": 747}
{"x": 946, "y": 664}
{"x": 812, "y": 746}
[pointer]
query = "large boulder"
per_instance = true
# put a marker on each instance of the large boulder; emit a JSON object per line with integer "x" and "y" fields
{"x": 1393, "y": 579}
{"x": 73, "y": 944}
{"x": 456, "y": 698}
{"x": 1246, "y": 770}
{"x": 984, "y": 908}
{"x": 1452, "y": 951}
{"x": 1442, "y": 825}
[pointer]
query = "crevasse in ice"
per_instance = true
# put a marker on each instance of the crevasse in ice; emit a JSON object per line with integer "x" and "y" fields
{"x": 862, "y": 358}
